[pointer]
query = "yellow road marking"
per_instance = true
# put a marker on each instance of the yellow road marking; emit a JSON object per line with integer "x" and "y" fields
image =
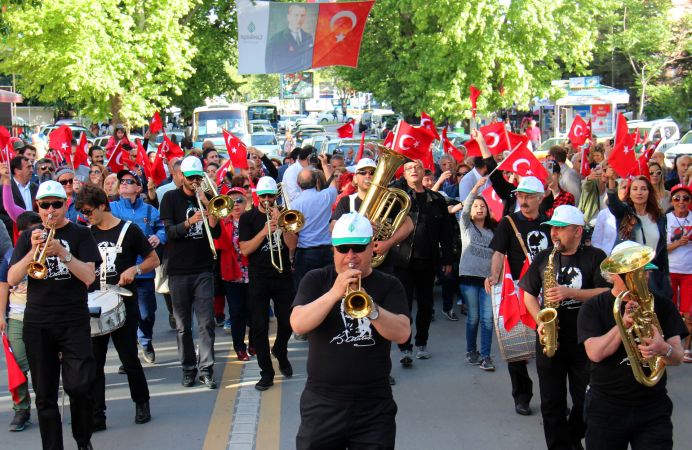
{"x": 269, "y": 427}
{"x": 222, "y": 415}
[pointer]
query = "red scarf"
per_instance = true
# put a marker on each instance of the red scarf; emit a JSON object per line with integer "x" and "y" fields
{"x": 230, "y": 268}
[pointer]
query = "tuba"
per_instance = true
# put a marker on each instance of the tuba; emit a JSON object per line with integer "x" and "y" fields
{"x": 220, "y": 206}
{"x": 290, "y": 220}
{"x": 380, "y": 199}
{"x": 629, "y": 263}
{"x": 37, "y": 268}
{"x": 357, "y": 303}
{"x": 548, "y": 315}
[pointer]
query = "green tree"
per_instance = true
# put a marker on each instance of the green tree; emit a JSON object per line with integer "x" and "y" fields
{"x": 420, "y": 55}
{"x": 123, "y": 58}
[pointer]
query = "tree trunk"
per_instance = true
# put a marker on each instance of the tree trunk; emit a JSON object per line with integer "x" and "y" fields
{"x": 643, "y": 94}
{"x": 116, "y": 105}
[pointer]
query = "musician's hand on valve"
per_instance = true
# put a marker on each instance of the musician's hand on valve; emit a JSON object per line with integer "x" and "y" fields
{"x": 343, "y": 281}
{"x": 653, "y": 346}
{"x": 38, "y": 237}
{"x": 630, "y": 308}
{"x": 539, "y": 327}
{"x": 55, "y": 248}
{"x": 273, "y": 225}
{"x": 382, "y": 247}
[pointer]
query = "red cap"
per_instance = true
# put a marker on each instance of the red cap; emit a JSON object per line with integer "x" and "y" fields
{"x": 680, "y": 187}
{"x": 236, "y": 190}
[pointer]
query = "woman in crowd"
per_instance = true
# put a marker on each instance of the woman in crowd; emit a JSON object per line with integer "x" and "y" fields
{"x": 680, "y": 256}
{"x": 97, "y": 175}
{"x": 110, "y": 185}
{"x": 596, "y": 156}
{"x": 477, "y": 230}
{"x": 657, "y": 181}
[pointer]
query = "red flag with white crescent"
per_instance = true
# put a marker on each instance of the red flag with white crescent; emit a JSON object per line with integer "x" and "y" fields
{"x": 495, "y": 137}
{"x": 494, "y": 202}
{"x": 578, "y": 132}
{"x": 339, "y": 32}
{"x": 427, "y": 123}
{"x": 450, "y": 149}
{"x": 412, "y": 142}
{"x": 223, "y": 170}
{"x": 156, "y": 124}
{"x": 81, "y": 157}
{"x": 509, "y": 304}
{"x": 622, "y": 159}
{"x": 389, "y": 140}
{"x": 474, "y": 94}
{"x": 523, "y": 162}
{"x": 346, "y": 130}
{"x": 585, "y": 168}
{"x": 237, "y": 151}
{"x": 117, "y": 160}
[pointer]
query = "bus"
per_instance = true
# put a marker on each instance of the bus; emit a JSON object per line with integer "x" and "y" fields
{"x": 207, "y": 122}
{"x": 264, "y": 110}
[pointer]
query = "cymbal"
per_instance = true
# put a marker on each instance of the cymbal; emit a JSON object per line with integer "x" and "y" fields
{"x": 118, "y": 290}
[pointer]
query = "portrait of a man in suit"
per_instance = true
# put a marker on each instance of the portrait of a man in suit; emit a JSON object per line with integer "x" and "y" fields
{"x": 289, "y": 50}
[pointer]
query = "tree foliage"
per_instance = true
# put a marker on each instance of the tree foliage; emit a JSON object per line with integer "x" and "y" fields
{"x": 420, "y": 55}
{"x": 123, "y": 58}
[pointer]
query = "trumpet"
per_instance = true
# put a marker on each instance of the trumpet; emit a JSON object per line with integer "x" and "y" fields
{"x": 290, "y": 220}
{"x": 273, "y": 242}
{"x": 357, "y": 303}
{"x": 37, "y": 268}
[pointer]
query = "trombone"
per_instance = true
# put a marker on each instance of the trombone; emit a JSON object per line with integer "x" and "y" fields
{"x": 220, "y": 206}
{"x": 272, "y": 241}
{"x": 290, "y": 220}
{"x": 37, "y": 268}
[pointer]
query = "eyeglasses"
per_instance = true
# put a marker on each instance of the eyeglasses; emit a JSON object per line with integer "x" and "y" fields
{"x": 656, "y": 172}
{"x": 66, "y": 182}
{"x": 681, "y": 198}
{"x": 46, "y": 168}
{"x": 129, "y": 181}
{"x": 357, "y": 248}
{"x": 57, "y": 204}
{"x": 366, "y": 172}
{"x": 86, "y": 212}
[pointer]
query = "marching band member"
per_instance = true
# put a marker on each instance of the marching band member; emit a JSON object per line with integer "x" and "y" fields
{"x": 56, "y": 319}
{"x": 266, "y": 281}
{"x": 578, "y": 278}
{"x": 122, "y": 244}
{"x": 347, "y": 401}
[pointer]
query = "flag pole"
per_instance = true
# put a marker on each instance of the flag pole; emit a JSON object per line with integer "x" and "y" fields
{"x": 510, "y": 154}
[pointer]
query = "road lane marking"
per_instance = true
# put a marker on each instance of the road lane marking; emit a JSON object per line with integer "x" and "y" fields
{"x": 222, "y": 414}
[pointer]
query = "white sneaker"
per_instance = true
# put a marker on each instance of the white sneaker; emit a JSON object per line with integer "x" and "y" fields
{"x": 422, "y": 352}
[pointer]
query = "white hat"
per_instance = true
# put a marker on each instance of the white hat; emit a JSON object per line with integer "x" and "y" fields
{"x": 191, "y": 166}
{"x": 51, "y": 188}
{"x": 266, "y": 185}
{"x": 565, "y": 215}
{"x": 352, "y": 228}
{"x": 530, "y": 185}
{"x": 365, "y": 162}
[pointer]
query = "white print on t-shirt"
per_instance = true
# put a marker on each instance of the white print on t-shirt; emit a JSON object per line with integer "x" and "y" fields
{"x": 276, "y": 240}
{"x": 572, "y": 278}
{"x": 108, "y": 253}
{"x": 195, "y": 231}
{"x": 56, "y": 269}
{"x": 356, "y": 331}
{"x": 536, "y": 241}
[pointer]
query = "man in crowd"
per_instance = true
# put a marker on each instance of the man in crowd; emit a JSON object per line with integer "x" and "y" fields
{"x": 56, "y": 318}
{"x": 267, "y": 282}
{"x": 190, "y": 271}
{"x": 467, "y": 182}
{"x": 96, "y": 155}
{"x": 578, "y": 277}
{"x": 289, "y": 183}
{"x": 23, "y": 190}
{"x": 122, "y": 245}
{"x": 131, "y": 207}
{"x": 347, "y": 401}
{"x": 44, "y": 170}
{"x": 416, "y": 257}
{"x": 570, "y": 180}
{"x": 29, "y": 152}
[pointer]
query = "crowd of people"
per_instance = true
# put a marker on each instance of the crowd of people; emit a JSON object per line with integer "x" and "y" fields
{"x": 233, "y": 271}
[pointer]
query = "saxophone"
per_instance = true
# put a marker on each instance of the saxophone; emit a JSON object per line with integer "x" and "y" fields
{"x": 548, "y": 315}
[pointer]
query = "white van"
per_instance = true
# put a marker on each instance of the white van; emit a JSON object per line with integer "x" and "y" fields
{"x": 664, "y": 129}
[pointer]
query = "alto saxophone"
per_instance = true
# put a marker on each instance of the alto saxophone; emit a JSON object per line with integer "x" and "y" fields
{"x": 548, "y": 315}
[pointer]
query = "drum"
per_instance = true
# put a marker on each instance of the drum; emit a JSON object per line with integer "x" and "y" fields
{"x": 517, "y": 344}
{"x": 112, "y": 312}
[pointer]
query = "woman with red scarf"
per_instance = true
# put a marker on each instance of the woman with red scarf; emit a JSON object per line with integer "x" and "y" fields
{"x": 234, "y": 273}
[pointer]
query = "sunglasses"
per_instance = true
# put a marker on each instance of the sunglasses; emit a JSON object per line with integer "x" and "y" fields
{"x": 46, "y": 168}
{"x": 86, "y": 212}
{"x": 246, "y": 186}
{"x": 681, "y": 198}
{"x": 57, "y": 204}
{"x": 66, "y": 182}
{"x": 357, "y": 248}
{"x": 194, "y": 178}
{"x": 366, "y": 172}
{"x": 129, "y": 181}
{"x": 238, "y": 200}
{"x": 267, "y": 196}
{"x": 657, "y": 173}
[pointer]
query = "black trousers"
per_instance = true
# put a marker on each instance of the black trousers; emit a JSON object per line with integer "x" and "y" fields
{"x": 569, "y": 363}
{"x": 356, "y": 424}
{"x": 260, "y": 291}
{"x": 125, "y": 343}
{"x": 44, "y": 343}
{"x": 522, "y": 385}
{"x": 612, "y": 426}
{"x": 418, "y": 280}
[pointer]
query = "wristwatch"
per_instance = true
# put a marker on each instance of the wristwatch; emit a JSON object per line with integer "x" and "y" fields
{"x": 138, "y": 269}
{"x": 374, "y": 312}
{"x": 669, "y": 353}
{"x": 67, "y": 258}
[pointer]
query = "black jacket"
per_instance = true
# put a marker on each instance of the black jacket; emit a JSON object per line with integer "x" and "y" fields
{"x": 505, "y": 190}
{"x": 19, "y": 201}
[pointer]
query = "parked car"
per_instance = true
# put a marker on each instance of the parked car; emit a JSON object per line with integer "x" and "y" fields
{"x": 261, "y": 126}
{"x": 77, "y": 131}
{"x": 266, "y": 142}
{"x": 288, "y": 121}
{"x": 683, "y": 147}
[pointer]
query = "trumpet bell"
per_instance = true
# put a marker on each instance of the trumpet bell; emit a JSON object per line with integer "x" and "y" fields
{"x": 291, "y": 221}
{"x": 357, "y": 304}
{"x": 220, "y": 206}
{"x": 37, "y": 271}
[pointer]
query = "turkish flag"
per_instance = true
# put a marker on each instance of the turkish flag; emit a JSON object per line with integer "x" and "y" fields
{"x": 585, "y": 169}
{"x": 622, "y": 158}
{"x": 116, "y": 162}
{"x": 509, "y": 303}
{"x": 642, "y": 165}
{"x": 494, "y": 202}
{"x": 412, "y": 142}
{"x": 223, "y": 170}
{"x": 474, "y": 96}
{"x": 255, "y": 197}
{"x": 523, "y": 162}
{"x": 237, "y": 151}
{"x": 524, "y": 314}
{"x": 427, "y": 123}
{"x": 6, "y": 150}
{"x": 495, "y": 137}
{"x": 346, "y": 130}
{"x": 450, "y": 149}
{"x": 589, "y": 131}
{"x": 60, "y": 140}
{"x": 81, "y": 154}
{"x": 361, "y": 147}
{"x": 578, "y": 132}
{"x": 156, "y": 124}
{"x": 339, "y": 32}
{"x": 389, "y": 140}
{"x": 15, "y": 376}
{"x": 169, "y": 150}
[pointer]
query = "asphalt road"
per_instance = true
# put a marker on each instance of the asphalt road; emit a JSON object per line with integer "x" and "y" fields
{"x": 444, "y": 403}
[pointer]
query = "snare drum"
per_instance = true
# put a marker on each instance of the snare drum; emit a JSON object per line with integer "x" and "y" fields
{"x": 517, "y": 344}
{"x": 112, "y": 312}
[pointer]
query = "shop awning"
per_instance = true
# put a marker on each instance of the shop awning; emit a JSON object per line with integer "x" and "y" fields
{"x": 10, "y": 97}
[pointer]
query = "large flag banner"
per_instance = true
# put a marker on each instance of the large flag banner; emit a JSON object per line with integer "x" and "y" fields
{"x": 292, "y": 37}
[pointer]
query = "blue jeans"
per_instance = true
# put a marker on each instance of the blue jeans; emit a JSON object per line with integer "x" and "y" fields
{"x": 236, "y": 297}
{"x": 477, "y": 300}
{"x": 146, "y": 297}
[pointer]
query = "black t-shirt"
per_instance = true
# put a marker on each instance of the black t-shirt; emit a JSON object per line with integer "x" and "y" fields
{"x": 536, "y": 238}
{"x": 134, "y": 244}
{"x": 259, "y": 261}
{"x": 188, "y": 251}
{"x": 578, "y": 271}
{"x": 612, "y": 377}
{"x": 347, "y": 357}
{"x": 60, "y": 298}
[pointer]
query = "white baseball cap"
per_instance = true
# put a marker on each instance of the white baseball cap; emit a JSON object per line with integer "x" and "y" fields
{"x": 50, "y": 188}
{"x": 352, "y": 228}
{"x": 266, "y": 185}
{"x": 191, "y": 166}
{"x": 565, "y": 215}
{"x": 365, "y": 162}
{"x": 530, "y": 185}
